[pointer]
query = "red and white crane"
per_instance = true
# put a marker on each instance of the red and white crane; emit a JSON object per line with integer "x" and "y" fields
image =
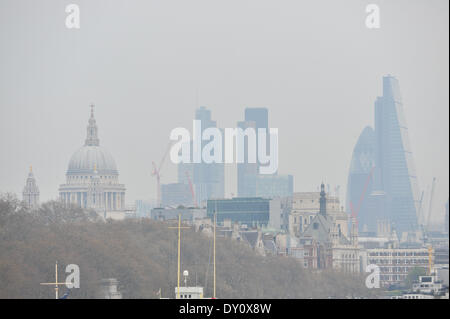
{"x": 191, "y": 187}
{"x": 157, "y": 172}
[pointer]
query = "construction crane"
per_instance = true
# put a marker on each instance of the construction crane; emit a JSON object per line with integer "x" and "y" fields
{"x": 431, "y": 204}
{"x": 426, "y": 221}
{"x": 157, "y": 172}
{"x": 419, "y": 213}
{"x": 425, "y": 228}
{"x": 430, "y": 259}
{"x": 191, "y": 187}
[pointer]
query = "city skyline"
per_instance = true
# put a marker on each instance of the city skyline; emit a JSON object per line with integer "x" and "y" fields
{"x": 322, "y": 107}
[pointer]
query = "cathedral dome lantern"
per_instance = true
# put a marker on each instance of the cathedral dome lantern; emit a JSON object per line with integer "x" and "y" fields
{"x": 91, "y": 153}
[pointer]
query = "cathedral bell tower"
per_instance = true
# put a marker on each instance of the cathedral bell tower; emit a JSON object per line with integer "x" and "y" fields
{"x": 31, "y": 191}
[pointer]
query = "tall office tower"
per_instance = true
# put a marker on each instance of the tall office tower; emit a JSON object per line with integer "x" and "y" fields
{"x": 207, "y": 179}
{"x": 359, "y": 184}
{"x": 248, "y": 172}
{"x": 250, "y": 183}
{"x": 396, "y": 172}
{"x": 30, "y": 192}
{"x": 260, "y": 116}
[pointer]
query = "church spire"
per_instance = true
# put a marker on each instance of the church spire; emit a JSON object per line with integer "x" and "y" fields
{"x": 92, "y": 131}
{"x": 323, "y": 201}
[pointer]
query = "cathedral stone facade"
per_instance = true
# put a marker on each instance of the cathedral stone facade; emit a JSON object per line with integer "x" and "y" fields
{"x": 92, "y": 178}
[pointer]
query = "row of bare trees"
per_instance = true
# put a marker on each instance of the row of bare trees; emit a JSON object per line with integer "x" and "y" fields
{"x": 142, "y": 255}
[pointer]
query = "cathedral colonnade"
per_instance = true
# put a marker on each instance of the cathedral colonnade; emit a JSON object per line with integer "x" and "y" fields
{"x": 110, "y": 201}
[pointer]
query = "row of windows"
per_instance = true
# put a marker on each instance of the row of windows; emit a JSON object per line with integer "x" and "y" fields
{"x": 399, "y": 261}
{"x": 404, "y": 270}
{"x": 346, "y": 256}
{"x": 252, "y": 218}
{"x": 400, "y": 254}
{"x": 238, "y": 206}
{"x": 90, "y": 176}
{"x": 392, "y": 277}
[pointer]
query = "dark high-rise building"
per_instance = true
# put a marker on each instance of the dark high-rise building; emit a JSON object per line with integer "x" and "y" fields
{"x": 260, "y": 117}
{"x": 207, "y": 178}
{"x": 257, "y": 118}
{"x": 394, "y": 194}
{"x": 246, "y": 172}
{"x": 249, "y": 182}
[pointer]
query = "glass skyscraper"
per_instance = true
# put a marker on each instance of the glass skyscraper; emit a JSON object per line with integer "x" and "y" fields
{"x": 359, "y": 185}
{"x": 207, "y": 179}
{"x": 249, "y": 182}
{"x": 392, "y": 192}
{"x": 396, "y": 173}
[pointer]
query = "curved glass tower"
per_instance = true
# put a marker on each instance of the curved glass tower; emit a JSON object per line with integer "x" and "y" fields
{"x": 359, "y": 184}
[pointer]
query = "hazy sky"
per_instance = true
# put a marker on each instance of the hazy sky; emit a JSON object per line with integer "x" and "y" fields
{"x": 313, "y": 64}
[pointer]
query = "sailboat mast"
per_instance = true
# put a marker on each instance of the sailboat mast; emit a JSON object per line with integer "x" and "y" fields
{"x": 56, "y": 280}
{"x": 179, "y": 253}
{"x": 215, "y": 221}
